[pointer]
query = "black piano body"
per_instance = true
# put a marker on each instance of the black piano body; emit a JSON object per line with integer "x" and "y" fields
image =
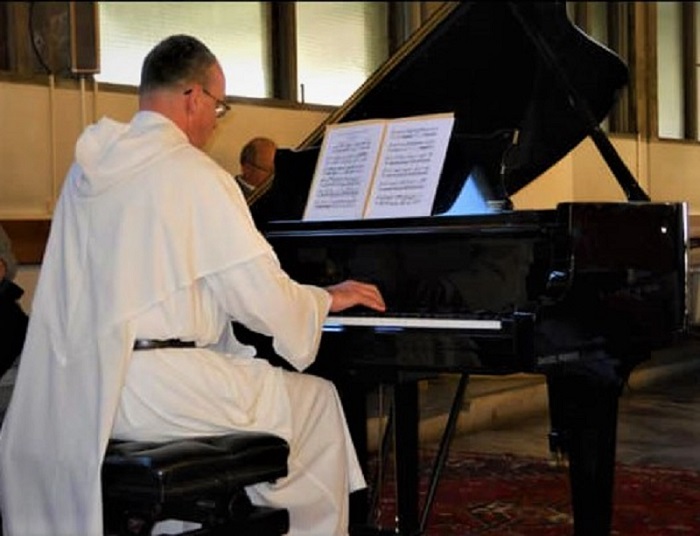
{"x": 500, "y": 293}
{"x": 581, "y": 293}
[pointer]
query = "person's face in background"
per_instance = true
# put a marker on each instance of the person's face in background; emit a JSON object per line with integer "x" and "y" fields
{"x": 263, "y": 168}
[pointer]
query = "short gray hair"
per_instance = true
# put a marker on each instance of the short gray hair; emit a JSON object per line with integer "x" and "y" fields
{"x": 177, "y": 60}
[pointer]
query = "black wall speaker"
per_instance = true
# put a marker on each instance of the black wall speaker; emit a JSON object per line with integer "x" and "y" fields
{"x": 84, "y": 37}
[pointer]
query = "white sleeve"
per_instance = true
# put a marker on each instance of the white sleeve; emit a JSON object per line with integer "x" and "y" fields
{"x": 261, "y": 296}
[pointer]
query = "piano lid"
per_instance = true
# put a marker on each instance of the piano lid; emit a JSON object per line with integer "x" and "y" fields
{"x": 507, "y": 70}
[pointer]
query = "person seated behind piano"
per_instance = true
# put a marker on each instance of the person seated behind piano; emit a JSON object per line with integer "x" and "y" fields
{"x": 257, "y": 167}
{"x": 268, "y": 196}
{"x": 130, "y": 334}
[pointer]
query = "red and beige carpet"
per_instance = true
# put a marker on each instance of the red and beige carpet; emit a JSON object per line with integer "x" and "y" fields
{"x": 505, "y": 495}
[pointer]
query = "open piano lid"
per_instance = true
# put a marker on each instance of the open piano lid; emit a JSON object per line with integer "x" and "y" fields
{"x": 525, "y": 85}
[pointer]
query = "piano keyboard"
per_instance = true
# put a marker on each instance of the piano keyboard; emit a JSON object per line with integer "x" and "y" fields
{"x": 335, "y": 321}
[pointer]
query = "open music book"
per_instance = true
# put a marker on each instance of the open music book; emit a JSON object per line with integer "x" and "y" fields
{"x": 379, "y": 168}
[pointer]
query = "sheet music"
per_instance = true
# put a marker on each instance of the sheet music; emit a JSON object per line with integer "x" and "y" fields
{"x": 409, "y": 169}
{"x": 379, "y": 168}
{"x": 344, "y": 171}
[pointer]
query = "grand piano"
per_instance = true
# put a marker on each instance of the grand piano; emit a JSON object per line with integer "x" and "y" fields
{"x": 581, "y": 293}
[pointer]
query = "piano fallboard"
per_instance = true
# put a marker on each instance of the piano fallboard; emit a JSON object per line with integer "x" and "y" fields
{"x": 385, "y": 347}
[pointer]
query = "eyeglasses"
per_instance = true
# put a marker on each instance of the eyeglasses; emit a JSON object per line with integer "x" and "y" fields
{"x": 221, "y": 108}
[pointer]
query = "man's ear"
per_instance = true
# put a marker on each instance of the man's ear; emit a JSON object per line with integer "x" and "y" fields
{"x": 192, "y": 100}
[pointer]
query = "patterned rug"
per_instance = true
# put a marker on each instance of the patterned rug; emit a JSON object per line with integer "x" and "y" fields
{"x": 504, "y": 495}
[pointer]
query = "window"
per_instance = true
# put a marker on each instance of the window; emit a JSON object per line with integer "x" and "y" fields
{"x": 235, "y": 31}
{"x": 608, "y": 24}
{"x": 677, "y": 51}
{"x": 670, "y": 69}
{"x": 339, "y": 45}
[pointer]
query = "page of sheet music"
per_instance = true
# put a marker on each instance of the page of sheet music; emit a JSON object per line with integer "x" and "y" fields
{"x": 413, "y": 153}
{"x": 344, "y": 170}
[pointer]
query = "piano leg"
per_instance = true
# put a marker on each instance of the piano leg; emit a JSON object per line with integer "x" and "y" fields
{"x": 405, "y": 444}
{"x": 406, "y": 456}
{"x": 583, "y": 406}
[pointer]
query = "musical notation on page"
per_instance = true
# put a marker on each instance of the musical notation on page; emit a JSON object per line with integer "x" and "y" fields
{"x": 379, "y": 168}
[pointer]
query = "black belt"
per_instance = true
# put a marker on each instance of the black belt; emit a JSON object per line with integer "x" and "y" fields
{"x": 153, "y": 344}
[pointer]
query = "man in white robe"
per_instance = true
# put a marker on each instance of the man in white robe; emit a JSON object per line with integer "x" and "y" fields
{"x": 152, "y": 240}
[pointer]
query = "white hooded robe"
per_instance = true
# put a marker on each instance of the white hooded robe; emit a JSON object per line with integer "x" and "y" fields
{"x": 151, "y": 238}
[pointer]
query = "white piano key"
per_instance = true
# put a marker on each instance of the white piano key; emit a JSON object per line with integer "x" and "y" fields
{"x": 401, "y": 322}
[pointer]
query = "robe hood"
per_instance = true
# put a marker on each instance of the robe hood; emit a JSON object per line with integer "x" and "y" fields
{"x": 109, "y": 151}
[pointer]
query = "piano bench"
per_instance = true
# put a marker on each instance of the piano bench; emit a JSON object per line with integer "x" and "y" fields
{"x": 199, "y": 480}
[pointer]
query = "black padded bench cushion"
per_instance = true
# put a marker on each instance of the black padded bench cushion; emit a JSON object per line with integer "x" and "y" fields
{"x": 184, "y": 468}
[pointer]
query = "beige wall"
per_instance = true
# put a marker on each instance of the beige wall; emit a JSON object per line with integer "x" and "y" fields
{"x": 667, "y": 170}
{"x": 41, "y": 124}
